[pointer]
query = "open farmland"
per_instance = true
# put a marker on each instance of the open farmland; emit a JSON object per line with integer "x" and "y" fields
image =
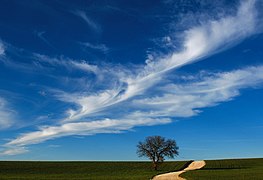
{"x": 84, "y": 170}
{"x": 232, "y": 169}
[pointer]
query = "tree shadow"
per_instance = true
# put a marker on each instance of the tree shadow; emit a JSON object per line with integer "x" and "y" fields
{"x": 222, "y": 168}
{"x": 185, "y": 165}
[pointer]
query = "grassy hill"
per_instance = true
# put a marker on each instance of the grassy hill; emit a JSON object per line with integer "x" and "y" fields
{"x": 231, "y": 169}
{"x": 241, "y": 169}
{"x": 84, "y": 170}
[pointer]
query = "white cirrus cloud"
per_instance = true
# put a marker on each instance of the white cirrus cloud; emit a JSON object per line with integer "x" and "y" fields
{"x": 199, "y": 42}
{"x": 2, "y": 48}
{"x": 151, "y": 100}
{"x": 210, "y": 38}
{"x": 6, "y": 115}
{"x": 99, "y": 47}
{"x": 172, "y": 101}
{"x": 41, "y": 36}
{"x": 13, "y": 151}
{"x": 187, "y": 99}
{"x": 79, "y": 128}
{"x": 67, "y": 63}
{"x": 83, "y": 15}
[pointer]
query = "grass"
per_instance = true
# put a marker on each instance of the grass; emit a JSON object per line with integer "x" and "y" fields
{"x": 232, "y": 169}
{"x": 84, "y": 170}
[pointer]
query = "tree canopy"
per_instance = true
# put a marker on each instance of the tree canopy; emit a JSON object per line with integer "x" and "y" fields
{"x": 156, "y": 148}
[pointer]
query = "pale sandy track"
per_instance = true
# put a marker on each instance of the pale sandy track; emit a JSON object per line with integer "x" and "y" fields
{"x": 175, "y": 175}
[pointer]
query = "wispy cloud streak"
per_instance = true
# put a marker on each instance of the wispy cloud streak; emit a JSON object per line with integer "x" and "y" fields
{"x": 88, "y": 20}
{"x": 168, "y": 100}
{"x": 67, "y": 63}
{"x": 199, "y": 42}
{"x": 2, "y": 48}
{"x": 99, "y": 47}
{"x": 6, "y": 115}
{"x": 210, "y": 38}
{"x": 187, "y": 99}
{"x": 174, "y": 100}
{"x": 41, "y": 36}
{"x": 13, "y": 151}
{"x": 83, "y": 128}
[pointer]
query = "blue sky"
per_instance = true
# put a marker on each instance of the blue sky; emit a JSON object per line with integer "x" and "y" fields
{"x": 87, "y": 80}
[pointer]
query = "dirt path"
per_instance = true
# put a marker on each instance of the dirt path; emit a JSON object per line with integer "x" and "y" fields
{"x": 175, "y": 175}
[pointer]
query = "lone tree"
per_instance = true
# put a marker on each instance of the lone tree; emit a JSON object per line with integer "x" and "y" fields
{"x": 156, "y": 148}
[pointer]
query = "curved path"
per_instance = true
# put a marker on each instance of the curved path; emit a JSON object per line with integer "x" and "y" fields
{"x": 175, "y": 175}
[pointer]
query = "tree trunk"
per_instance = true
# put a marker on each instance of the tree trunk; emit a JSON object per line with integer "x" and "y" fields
{"x": 155, "y": 166}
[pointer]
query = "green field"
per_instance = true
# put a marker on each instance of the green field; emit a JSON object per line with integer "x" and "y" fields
{"x": 84, "y": 170}
{"x": 238, "y": 169}
{"x": 235, "y": 169}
